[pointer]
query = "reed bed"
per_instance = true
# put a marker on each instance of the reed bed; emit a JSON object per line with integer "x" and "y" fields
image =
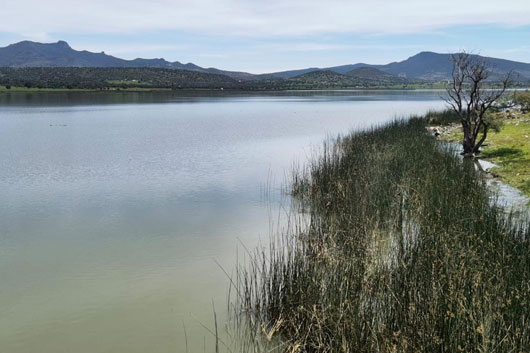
{"x": 400, "y": 249}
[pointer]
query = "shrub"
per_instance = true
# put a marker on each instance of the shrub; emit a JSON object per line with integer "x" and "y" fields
{"x": 445, "y": 117}
{"x": 522, "y": 99}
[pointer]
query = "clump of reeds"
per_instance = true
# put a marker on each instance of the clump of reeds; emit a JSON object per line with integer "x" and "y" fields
{"x": 444, "y": 117}
{"x": 404, "y": 252}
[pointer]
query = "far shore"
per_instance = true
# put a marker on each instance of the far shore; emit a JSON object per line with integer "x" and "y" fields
{"x": 17, "y": 89}
{"x": 3, "y": 89}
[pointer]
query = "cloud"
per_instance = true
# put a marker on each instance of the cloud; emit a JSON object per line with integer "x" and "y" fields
{"x": 519, "y": 49}
{"x": 302, "y": 47}
{"x": 213, "y": 56}
{"x": 253, "y": 18}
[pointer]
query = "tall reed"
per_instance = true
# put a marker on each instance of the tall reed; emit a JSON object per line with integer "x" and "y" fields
{"x": 403, "y": 252}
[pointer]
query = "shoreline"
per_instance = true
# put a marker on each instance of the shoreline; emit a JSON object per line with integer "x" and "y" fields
{"x": 404, "y": 251}
{"x": 508, "y": 149}
{"x": 162, "y": 89}
{"x": 17, "y": 89}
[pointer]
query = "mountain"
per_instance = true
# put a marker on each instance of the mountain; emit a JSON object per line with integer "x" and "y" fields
{"x": 294, "y": 73}
{"x": 60, "y": 54}
{"x": 113, "y": 77}
{"x": 357, "y": 78}
{"x": 427, "y": 66}
{"x": 153, "y": 78}
{"x": 325, "y": 79}
{"x": 433, "y": 66}
{"x": 370, "y": 74}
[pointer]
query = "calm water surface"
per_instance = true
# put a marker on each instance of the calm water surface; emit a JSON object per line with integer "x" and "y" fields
{"x": 115, "y": 208}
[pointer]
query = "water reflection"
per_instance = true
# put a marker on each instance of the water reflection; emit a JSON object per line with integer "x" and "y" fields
{"x": 115, "y": 207}
{"x": 126, "y": 97}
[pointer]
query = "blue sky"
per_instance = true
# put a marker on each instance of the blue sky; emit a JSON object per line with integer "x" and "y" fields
{"x": 257, "y": 36}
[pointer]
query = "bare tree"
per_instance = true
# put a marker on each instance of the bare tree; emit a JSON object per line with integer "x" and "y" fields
{"x": 468, "y": 98}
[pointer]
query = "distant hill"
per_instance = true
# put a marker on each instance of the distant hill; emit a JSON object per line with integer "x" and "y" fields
{"x": 113, "y": 77}
{"x": 60, "y": 54}
{"x": 427, "y": 66}
{"x": 292, "y": 73}
{"x": 370, "y": 74}
{"x": 325, "y": 78}
{"x": 146, "y": 77}
{"x": 434, "y": 67}
{"x": 424, "y": 67}
{"x": 357, "y": 78}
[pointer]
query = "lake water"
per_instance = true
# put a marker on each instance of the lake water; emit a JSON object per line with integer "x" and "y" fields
{"x": 116, "y": 208}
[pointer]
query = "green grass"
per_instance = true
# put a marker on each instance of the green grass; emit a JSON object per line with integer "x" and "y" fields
{"x": 510, "y": 149}
{"x": 402, "y": 251}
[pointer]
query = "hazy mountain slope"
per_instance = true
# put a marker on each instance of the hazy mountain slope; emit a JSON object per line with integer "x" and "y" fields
{"x": 31, "y": 54}
{"x": 434, "y": 66}
{"x": 425, "y": 66}
{"x": 60, "y": 54}
{"x": 290, "y": 73}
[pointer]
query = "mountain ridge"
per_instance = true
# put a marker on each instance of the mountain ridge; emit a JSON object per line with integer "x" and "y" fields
{"x": 424, "y": 66}
{"x": 61, "y": 54}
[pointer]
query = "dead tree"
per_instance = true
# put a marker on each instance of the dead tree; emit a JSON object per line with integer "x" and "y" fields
{"x": 468, "y": 98}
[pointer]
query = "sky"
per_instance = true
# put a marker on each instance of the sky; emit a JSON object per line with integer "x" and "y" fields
{"x": 266, "y": 36}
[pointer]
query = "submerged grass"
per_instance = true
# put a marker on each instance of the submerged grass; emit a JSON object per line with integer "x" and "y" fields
{"x": 403, "y": 252}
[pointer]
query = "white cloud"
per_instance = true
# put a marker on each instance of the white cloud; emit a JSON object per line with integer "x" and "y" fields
{"x": 213, "y": 56}
{"x": 519, "y": 49}
{"x": 302, "y": 47}
{"x": 254, "y": 18}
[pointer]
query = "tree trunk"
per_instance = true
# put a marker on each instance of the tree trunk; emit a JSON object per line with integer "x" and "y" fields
{"x": 482, "y": 139}
{"x": 469, "y": 143}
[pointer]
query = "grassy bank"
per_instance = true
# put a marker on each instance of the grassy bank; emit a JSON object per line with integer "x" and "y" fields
{"x": 403, "y": 253}
{"x": 509, "y": 149}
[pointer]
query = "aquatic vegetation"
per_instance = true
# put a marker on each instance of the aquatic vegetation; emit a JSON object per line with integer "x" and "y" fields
{"x": 402, "y": 252}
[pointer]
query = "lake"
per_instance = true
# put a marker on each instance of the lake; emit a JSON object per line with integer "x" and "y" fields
{"x": 118, "y": 210}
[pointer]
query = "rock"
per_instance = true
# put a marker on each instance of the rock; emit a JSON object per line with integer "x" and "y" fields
{"x": 489, "y": 175}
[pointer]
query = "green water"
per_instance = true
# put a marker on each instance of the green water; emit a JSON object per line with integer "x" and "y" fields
{"x": 116, "y": 208}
